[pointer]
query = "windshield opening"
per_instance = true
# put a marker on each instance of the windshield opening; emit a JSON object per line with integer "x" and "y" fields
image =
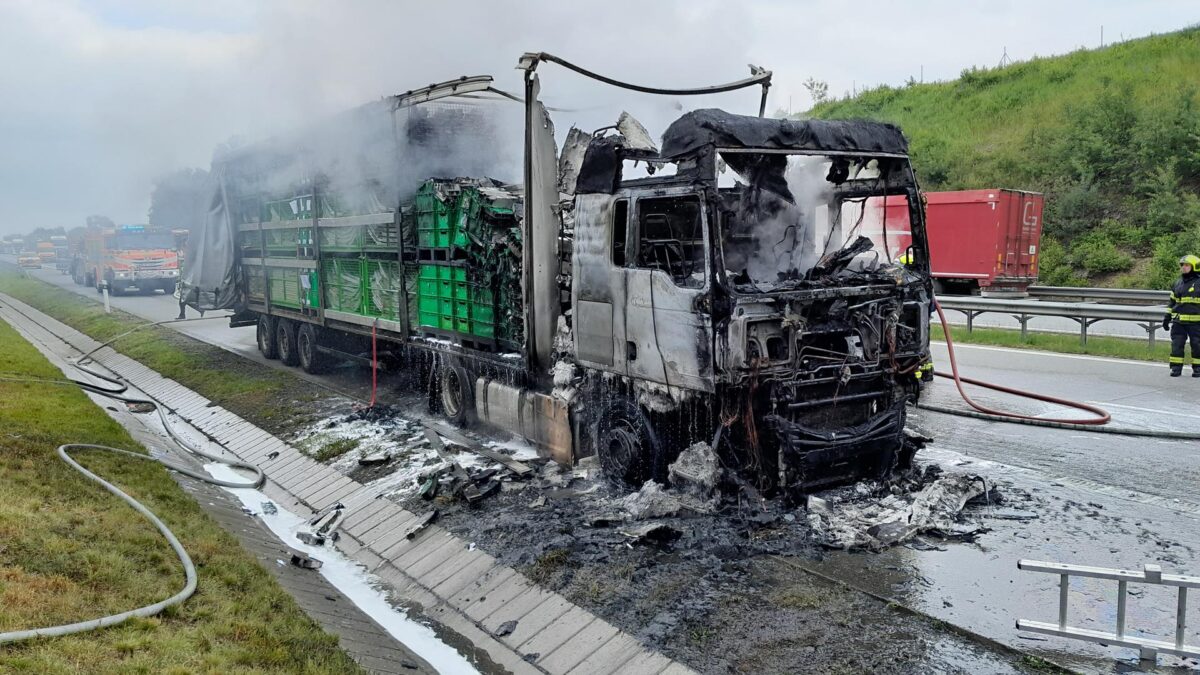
{"x": 788, "y": 220}
{"x": 141, "y": 241}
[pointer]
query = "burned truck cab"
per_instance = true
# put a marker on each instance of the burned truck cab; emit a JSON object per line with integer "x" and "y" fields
{"x": 747, "y": 294}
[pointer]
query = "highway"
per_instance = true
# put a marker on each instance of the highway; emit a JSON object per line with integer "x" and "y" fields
{"x": 1095, "y": 499}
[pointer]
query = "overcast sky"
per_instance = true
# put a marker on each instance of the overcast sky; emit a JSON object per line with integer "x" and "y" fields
{"x": 101, "y": 96}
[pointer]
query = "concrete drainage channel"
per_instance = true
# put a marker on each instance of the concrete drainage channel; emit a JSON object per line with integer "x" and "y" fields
{"x": 502, "y": 620}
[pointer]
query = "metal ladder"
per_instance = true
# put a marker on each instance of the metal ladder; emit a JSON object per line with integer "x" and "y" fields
{"x": 1150, "y": 574}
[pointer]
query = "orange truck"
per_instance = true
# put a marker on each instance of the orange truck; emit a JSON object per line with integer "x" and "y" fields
{"x": 131, "y": 258}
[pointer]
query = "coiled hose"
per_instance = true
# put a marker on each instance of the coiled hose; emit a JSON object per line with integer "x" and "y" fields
{"x": 1090, "y": 424}
{"x": 118, "y": 393}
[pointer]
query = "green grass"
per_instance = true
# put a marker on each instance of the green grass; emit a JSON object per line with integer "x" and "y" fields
{"x": 263, "y": 395}
{"x": 1115, "y": 347}
{"x": 325, "y": 450}
{"x": 547, "y": 566}
{"x": 69, "y": 551}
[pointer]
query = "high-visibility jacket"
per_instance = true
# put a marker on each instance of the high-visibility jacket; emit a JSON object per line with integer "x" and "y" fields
{"x": 1185, "y": 299}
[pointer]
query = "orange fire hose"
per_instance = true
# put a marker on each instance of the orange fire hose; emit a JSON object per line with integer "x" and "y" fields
{"x": 1101, "y": 415}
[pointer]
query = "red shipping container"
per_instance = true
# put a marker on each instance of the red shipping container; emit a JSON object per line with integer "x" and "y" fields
{"x": 985, "y": 239}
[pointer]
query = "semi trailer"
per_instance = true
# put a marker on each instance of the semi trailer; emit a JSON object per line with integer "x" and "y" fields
{"x": 980, "y": 241}
{"x": 619, "y": 298}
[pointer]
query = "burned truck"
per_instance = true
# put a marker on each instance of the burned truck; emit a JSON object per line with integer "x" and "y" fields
{"x": 737, "y": 286}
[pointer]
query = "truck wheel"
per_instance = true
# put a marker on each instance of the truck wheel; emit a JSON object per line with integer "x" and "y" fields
{"x": 266, "y": 337}
{"x": 628, "y": 450}
{"x": 454, "y": 394}
{"x": 312, "y": 359}
{"x": 285, "y": 337}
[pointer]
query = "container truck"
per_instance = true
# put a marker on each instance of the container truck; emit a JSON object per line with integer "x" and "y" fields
{"x": 62, "y": 256}
{"x": 618, "y": 299}
{"x": 45, "y": 252}
{"x": 129, "y": 258}
{"x": 983, "y": 241}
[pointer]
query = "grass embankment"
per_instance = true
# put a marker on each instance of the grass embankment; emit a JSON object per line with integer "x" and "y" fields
{"x": 1115, "y": 347}
{"x": 69, "y": 551}
{"x": 274, "y": 400}
{"x": 1111, "y": 136}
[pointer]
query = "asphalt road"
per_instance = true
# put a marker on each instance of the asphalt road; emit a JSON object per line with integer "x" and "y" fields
{"x": 1098, "y": 499}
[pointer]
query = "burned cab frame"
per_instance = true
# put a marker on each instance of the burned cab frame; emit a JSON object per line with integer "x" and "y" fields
{"x": 746, "y": 293}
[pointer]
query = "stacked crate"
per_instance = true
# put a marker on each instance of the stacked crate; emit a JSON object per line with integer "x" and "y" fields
{"x": 459, "y": 263}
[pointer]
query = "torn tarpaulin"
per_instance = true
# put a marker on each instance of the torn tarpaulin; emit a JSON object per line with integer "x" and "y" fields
{"x": 875, "y": 524}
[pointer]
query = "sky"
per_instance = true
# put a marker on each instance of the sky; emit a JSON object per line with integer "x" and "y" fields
{"x": 102, "y": 96}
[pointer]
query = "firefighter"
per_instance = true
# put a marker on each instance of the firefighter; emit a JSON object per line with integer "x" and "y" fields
{"x": 925, "y": 372}
{"x": 1183, "y": 317}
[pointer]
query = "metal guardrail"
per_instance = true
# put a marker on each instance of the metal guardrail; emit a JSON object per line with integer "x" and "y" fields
{"x": 1136, "y": 295}
{"x": 1151, "y": 574}
{"x": 1083, "y": 313}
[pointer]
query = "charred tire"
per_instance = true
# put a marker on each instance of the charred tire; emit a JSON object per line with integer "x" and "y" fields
{"x": 285, "y": 339}
{"x": 626, "y": 445}
{"x": 453, "y": 396}
{"x": 311, "y": 358}
{"x": 267, "y": 345}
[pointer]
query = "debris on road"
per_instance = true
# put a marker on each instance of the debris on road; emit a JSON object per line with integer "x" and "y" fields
{"x": 420, "y": 524}
{"x": 652, "y": 533}
{"x": 857, "y": 518}
{"x": 303, "y": 560}
{"x": 697, "y": 471}
{"x": 375, "y": 458}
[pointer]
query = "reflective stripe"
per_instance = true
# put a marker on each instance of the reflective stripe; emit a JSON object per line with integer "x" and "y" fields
{"x": 1173, "y": 296}
{"x": 1188, "y": 318}
{"x": 1175, "y": 359}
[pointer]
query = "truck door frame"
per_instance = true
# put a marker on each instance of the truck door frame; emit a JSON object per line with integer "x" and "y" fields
{"x": 669, "y": 331}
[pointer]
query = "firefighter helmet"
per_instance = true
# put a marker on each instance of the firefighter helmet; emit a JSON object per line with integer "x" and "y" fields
{"x": 904, "y": 259}
{"x": 1191, "y": 260}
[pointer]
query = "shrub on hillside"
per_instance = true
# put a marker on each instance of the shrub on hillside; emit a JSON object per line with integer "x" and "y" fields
{"x": 1097, "y": 254}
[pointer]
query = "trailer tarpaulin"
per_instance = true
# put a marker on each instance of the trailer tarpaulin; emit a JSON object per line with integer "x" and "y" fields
{"x": 207, "y": 279}
{"x": 712, "y": 127}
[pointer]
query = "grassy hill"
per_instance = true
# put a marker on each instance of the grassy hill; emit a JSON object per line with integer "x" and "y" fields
{"x": 1112, "y": 136}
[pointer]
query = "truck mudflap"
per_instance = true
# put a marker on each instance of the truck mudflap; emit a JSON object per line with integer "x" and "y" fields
{"x": 810, "y": 459}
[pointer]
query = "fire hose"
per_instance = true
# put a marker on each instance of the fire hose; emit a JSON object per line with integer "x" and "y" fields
{"x": 1090, "y": 424}
{"x": 118, "y": 393}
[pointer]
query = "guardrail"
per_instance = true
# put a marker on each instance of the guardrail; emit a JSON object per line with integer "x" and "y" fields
{"x": 1083, "y": 313}
{"x": 1136, "y": 295}
{"x": 1150, "y": 574}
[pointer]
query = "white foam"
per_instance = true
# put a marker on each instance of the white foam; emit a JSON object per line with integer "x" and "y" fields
{"x": 352, "y": 579}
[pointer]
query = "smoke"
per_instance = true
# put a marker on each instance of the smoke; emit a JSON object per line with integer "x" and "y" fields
{"x": 372, "y": 158}
{"x": 781, "y": 221}
{"x": 103, "y": 96}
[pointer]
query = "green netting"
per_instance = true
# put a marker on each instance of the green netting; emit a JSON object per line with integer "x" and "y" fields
{"x": 383, "y": 289}
{"x": 343, "y": 284}
{"x": 342, "y": 238}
